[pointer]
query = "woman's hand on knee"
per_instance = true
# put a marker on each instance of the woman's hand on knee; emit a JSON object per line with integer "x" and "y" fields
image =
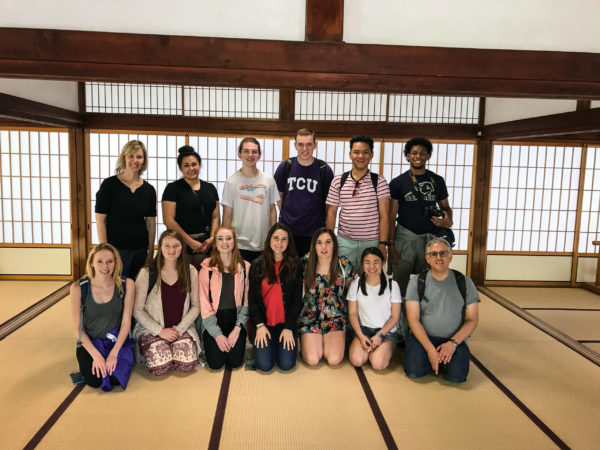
{"x": 99, "y": 366}
{"x": 234, "y": 335}
{"x": 111, "y": 363}
{"x": 223, "y": 343}
{"x": 262, "y": 337}
{"x": 365, "y": 343}
{"x": 169, "y": 334}
{"x": 288, "y": 339}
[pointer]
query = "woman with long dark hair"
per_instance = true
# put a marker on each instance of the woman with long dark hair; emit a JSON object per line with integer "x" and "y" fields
{"x": 224, "y": 302}
{"x": 166, "y": 306}
{"x": 374, "y": 310}
{"x": 101, "y": 304}
{"x": 126, "y": 209}
{"x": 323, "y": 318}
{"x": 190, "y": 206}
{"x": 275, "y": 297}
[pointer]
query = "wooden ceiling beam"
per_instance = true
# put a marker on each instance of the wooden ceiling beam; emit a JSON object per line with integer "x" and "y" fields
{"x": 564, "y": 124}
{"x": 23, "y": 110}
{"x": 119, "y": 57}
{"x": 212, "y": 125}
{"x": 324, "y": 20}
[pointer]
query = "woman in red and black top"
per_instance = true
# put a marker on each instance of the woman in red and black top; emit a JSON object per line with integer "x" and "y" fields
{"x": 275, "y": 298}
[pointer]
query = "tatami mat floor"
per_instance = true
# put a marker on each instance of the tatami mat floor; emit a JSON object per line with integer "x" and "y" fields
{"x": 307, "y": 408}
{"x": 19, "y": 295}
{"x": 575, "y": 312}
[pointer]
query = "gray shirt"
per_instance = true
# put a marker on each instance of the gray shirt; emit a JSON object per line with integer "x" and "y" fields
{"x": 442, "y": 304}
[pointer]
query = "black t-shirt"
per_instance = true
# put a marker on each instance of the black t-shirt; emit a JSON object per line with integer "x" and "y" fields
{"x": 410, "y": 206}
{"x": 193, "y": 209}
{"x": 126, "y": 212}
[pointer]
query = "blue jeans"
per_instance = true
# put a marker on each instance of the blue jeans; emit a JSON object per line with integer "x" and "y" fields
{"x": 266, "y": 357}
{"x": 416, "y": 362}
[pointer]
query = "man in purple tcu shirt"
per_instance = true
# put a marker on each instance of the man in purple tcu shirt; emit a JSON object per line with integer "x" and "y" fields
{"x": 303, "y": 184}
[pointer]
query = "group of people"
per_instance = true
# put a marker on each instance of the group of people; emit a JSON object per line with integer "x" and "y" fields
{"x": 216, "y": 282}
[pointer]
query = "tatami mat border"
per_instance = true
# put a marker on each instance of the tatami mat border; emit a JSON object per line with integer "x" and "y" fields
{"x": 528, "y": 412}
{"x": 16, "y": 322}
{"x": 379, "y": 418}
{"x": 37, "y": 438}
{"x": 573, "y": 344}
{"x": 215, "y": 435}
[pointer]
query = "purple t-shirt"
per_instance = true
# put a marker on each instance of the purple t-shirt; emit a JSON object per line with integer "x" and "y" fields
{"x": 303, "y": 208}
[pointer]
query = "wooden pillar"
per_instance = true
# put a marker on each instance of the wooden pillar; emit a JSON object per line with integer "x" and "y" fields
{"x": 79, "y": 187}
{"x": 324, "y": 20}
{"x": 481, "y": 190}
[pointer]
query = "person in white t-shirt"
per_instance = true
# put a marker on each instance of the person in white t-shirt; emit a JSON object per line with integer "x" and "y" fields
{"x": 374, "y": 310}
{"x": 249, "y": 199}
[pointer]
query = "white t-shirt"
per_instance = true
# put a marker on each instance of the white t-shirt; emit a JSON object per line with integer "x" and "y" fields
{"x": 373, "y": 309}
{"x": 251, "y": 200}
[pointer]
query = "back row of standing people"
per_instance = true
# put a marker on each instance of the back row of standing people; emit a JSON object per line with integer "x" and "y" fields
{"x": 398, "y": 218}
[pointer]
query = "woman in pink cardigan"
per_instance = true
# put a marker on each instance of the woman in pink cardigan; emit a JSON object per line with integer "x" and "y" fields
{"x": 223, "y": 291}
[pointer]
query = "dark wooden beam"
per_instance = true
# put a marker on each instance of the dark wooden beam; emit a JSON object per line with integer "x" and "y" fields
{"x": 481, "y": 204}
{"x": 20, "y": 109}
{"x": 79, "y": 188}
{"x": 79, "y": 55}
{"x": 287, "y": 104}
{"x": 583, "y": 104}
{"x": 571, "y": 123}
{"x": 324, "y": 20}
{"x": 275, "y": 127}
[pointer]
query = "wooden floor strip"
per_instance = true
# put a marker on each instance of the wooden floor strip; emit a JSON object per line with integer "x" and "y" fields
{"x": 383, "y": 426}
{"x": 573, "y": 344}
{"x": 37, "y": 438}
{"x": 215, "y": 435}
{"x": 528, "y": 412}
{"x": 16, "y": 322}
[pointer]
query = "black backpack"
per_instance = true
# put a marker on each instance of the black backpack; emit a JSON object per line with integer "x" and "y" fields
{"x": 374, "y": 180}
{"x": 460, "y": 283}
{"x": 287, "y": 167}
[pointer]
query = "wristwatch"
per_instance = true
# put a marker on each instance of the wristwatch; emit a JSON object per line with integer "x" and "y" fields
{"x": 380, "y": 335}
{"x": 455, "y": 342}
{"x": 386, "y": 243}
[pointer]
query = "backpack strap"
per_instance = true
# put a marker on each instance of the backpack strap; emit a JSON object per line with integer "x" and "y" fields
{"x": 421, "y": 284}
{"x": 209, "y": 290}
{"x": 374, "y": 180}
{"x": 287, "y": 167}
{"x": 124, "y": 286}
{"x": 151, "y": 278}
{"x": 343, "y": 179}
{"x": 461, "y": 283}
{"x": 325, "y": 184}
{"x": 85, "y": 287}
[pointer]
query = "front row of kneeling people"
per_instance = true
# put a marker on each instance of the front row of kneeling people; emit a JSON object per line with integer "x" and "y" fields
{"x": 278, "y": 302}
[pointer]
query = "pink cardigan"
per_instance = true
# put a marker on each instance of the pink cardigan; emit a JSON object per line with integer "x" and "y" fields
{"x": 208, "y": 310}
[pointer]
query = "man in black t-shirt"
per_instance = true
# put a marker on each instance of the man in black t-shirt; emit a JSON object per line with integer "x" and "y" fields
{"x": 414, "y": 214}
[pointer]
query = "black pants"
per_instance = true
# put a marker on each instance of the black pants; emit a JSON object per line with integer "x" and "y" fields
{"x": 214, "y": 356}
{"x": 85, "y": 361}
{"x": 249, "y": 255}
{"x": 133, "y": 261}
{"x": 302, "y": 245}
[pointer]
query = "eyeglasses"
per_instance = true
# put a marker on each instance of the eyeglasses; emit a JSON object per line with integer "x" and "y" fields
{"x": 355, "y": 192}
{"x": 442, "y": 254}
